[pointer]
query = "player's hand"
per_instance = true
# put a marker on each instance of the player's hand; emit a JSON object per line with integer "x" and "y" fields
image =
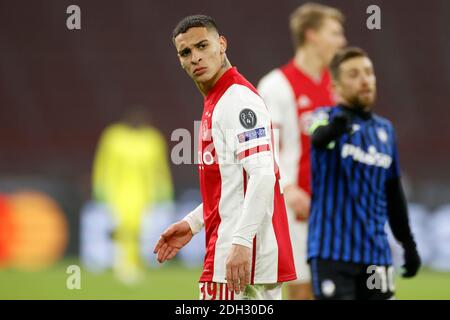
{"x": 238, "y": 268}
{"x": 172, "y": 240}
{"x": 341, "y": 123}
{"x": 298, "y": 200}
{"x": 412, "y": 261}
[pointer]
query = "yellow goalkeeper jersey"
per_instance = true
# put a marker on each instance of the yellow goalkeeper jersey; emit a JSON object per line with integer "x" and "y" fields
{"x": 131, "y": 170}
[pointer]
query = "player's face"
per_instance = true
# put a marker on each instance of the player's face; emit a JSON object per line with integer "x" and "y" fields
{"x": 357, "y": 83}
{"x": 329, "y": 39}
{"x": 201, "y": 53}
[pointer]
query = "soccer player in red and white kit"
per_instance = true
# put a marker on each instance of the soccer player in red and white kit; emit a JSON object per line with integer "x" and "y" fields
{"x": 248, "y": 247}
{"x": 292, "y": 92}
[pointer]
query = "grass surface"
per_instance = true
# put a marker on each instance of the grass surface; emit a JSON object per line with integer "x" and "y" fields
{"x": 172, "y": 282}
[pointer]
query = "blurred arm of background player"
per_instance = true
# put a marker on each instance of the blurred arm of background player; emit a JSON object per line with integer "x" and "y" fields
{"x": 298, "y": 200}
{"x": 177, "y": 235}
{"x": 284, "y": 120}
{"x": 399, "y": 223}
{"x": 398, "y": 217}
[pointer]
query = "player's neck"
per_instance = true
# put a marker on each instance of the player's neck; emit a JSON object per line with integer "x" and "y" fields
{"x": 309, "y": 62}
{"x": 362, "y": 111}
{"x": 205, "y": 87}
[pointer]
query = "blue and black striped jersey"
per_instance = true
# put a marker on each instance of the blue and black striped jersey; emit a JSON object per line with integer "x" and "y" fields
{"x": 348, "y": 205}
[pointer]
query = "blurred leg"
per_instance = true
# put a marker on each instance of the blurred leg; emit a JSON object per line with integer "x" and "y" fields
{"x": 300, "y": 291}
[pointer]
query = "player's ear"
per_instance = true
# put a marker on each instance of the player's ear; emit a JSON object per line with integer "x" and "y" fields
{"x": 223, "y": 44}
{"x": 310, "y": 35}
{"x": 181, "y": 61}
{"x": 178, "y": 55}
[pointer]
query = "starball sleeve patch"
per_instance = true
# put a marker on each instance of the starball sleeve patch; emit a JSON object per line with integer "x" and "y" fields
{"x": 247, "y": 117}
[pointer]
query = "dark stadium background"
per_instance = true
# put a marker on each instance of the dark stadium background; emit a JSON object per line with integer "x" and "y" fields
{"x": 60, "y": 88}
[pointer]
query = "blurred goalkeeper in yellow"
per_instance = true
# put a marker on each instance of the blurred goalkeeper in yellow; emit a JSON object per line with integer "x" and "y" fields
{"x": 131, "y": 175}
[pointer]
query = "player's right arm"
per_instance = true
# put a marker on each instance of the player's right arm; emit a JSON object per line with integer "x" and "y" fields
{"x": 177, "y": 235}
{"x": 324, "y": 130}
{"x": 280, "y": 100}
{"x": 195, "y": 219}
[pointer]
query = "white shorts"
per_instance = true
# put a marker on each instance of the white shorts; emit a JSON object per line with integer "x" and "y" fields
{"x": 219, "y": 291}
{"x": 299, "y": 239}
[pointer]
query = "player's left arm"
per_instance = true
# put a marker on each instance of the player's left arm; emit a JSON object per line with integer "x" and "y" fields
{"x": 258, "y": 197}
{"x": 398, "y": 216}
{"x": 281, "y": 103}
{"x": 249, "y": 136}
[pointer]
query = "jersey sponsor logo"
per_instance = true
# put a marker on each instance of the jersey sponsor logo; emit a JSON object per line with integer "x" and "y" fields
{"x": 247, "y": 118}
{"x": 303, "y": 102}
{"x": 371, "y": 158}
{"x": 206, "y": 158}
{"x": 252, "y": 134}
{"x": 305, "y": 122}
{"x": 320, "y": 115}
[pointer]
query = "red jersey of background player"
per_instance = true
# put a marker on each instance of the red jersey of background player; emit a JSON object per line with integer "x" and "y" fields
{"x": 292, "y": 97}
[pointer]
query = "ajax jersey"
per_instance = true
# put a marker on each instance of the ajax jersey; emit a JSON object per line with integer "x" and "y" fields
{"x": 235, "y": 147}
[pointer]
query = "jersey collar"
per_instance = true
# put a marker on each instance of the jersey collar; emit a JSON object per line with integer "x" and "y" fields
{"x": 221, "y": 85}
{"x": 366, "y": 115}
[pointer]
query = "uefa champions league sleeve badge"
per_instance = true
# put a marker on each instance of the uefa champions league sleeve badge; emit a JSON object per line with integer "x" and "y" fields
{"x": 247, "y": 118}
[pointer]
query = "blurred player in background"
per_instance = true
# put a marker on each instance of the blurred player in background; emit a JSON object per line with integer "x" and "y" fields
{"x": 131, "y": 175}
{"x": 356, "y": 189}
{"x": 292, "y": 92}
{"x": 248, "y": 248}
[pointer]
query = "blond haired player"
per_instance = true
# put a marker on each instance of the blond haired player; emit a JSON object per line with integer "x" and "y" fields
{"x": 292, "y": 92}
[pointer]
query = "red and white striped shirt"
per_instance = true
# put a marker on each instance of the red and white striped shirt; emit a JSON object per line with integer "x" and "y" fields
{"x": 239, "y": 181}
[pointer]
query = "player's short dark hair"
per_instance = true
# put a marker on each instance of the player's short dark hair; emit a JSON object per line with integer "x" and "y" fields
{"x": 198, "y": 20}
{"x": 343, "y": 55}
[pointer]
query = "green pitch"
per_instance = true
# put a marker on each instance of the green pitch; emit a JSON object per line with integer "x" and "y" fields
{"x": 172, "y": 281}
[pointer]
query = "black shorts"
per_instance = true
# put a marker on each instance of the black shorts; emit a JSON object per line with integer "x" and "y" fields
{"x": 338, "y": 280}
